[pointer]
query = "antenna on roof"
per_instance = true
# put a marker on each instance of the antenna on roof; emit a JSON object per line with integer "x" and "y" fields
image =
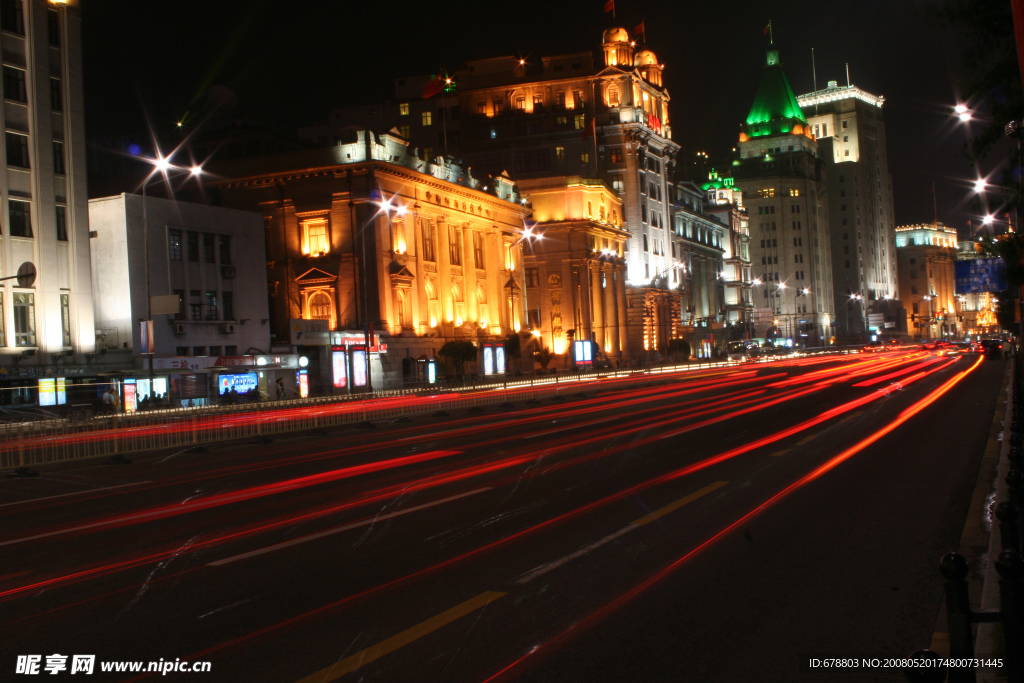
{"x": 814, "y": 75}
{"x": 847, "y": 74}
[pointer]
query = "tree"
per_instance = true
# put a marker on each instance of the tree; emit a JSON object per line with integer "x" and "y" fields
{"x": 513, "y": 349}
{"x": 458, "y": 353}
{"x": 543, "y": 356}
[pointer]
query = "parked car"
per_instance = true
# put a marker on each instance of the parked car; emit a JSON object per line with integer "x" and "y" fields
{"x": 992, "y": 347}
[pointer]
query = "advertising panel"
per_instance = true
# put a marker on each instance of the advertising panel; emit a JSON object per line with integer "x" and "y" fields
{"x": 240, "y": 383}
{"x": 48, "y": 392}
{"x": 62, "y": 396}
{"x": 339, "y": 369}
{"x": 130, "y": 401}
{"x": 359, "y": 366}
{"x": 499, "y": 359}
{"x": 303, "y": 383}
{"x": 488, "y": 359}
{"x": 980, "y": 275}
{"x": 583, "y": 352}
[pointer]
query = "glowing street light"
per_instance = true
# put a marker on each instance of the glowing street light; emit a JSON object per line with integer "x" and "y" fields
{"x": 962, "y": 112}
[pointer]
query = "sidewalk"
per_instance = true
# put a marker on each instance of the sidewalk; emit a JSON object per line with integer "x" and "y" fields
{"x": 980, "y": 543}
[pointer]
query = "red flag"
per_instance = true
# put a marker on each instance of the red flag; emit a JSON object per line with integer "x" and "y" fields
{"x": 768, "y": 28}
{"x": 590, "y": 130}
{"x": 639, "y": 30}
{"x": 609, "y": 6}
{"x": 433, "y": 87}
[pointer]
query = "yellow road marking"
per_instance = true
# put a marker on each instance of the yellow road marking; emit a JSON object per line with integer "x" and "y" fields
{"x": 353, "y": 662}
{"x": 806, "y": 439}
{"x": 778, "y": 453}
{"x": 851, "y": 416}
{"x": 679, "y": 503}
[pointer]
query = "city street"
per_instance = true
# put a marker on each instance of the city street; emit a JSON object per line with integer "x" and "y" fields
{"x": 725, "y": 524}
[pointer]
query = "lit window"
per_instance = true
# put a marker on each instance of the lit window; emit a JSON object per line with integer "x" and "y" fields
{"x": 585, "y": 157}
{"x": 314, "y": 237}
{"x": 24, "y": 319}
{"x": 426, "y": 118}
{"x": 560, "y": 153}
{"x": 520, "y": 103}
{"x": 403, "y": 108}
{"x": 580, "y": 121}
{"x": 794, "y": 192}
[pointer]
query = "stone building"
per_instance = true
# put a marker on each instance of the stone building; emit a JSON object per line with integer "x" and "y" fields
{"x": 404, "y": 252}
{"x": 927, "y": 282}
{"x": 782, "y": 175}
{"x": 575, "y": 271}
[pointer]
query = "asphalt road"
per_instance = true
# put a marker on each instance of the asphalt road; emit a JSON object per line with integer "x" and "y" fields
{"x": 722, "y": 525}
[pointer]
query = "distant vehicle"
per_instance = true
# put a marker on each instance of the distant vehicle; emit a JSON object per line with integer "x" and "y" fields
{"x": 992, "y": 347}
{"x": 742, "y": 350}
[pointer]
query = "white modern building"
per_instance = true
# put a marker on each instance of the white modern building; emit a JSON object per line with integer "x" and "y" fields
{"x": 203, "y": 267}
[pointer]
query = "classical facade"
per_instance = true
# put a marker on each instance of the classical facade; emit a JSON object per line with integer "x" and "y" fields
{"x": 563, "y": 115}
{"x": 382, "y": 244}
{"x": 927, "y": 282}
{"x": 43, "y": 196}
{"x": 724, "y": 203}
{"x": 849, "y": 126}
{"x": 574, "y": 266}
{"x": 782, "y": 176}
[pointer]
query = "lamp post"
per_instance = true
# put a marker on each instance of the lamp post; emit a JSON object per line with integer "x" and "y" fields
{"x": 161, "y": 166}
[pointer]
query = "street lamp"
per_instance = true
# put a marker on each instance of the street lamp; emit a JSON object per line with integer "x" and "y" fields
{"x": 161, "y": 166}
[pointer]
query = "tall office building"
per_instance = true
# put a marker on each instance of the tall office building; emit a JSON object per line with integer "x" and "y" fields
{"x": 782, "y": 176}
{"x": 43, "y": 195}
{"x": 849, "y": 126}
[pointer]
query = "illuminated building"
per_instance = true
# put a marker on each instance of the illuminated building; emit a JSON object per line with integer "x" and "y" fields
{"x": 927, "y": 283}
{"x": 849, "y": 126}
{"x": 575, "y": 271}
{"x": 376, "y": 241}
{"x": 782, "y": 176}
{"x": 725, "y": 205}
{"x": 558, "y": 116}
{"x": 45, "y": 328}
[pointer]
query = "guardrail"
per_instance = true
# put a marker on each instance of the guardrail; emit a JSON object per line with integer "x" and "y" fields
{"x": 61, "y": 440}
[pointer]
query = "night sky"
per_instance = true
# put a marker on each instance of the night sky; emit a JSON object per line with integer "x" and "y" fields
{"x": 287, "y": 64}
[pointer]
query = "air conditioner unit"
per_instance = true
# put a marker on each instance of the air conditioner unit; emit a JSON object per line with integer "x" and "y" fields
{"x": 227, "y": 272}
{"x": 179, "y": 328}
{"x": 227, "y": 328}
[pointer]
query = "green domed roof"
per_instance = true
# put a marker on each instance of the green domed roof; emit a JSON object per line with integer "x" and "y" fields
{"x": 775, "y": 109}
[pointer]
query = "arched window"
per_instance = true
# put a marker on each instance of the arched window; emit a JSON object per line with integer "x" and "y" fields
{"x": 320, "y": 306}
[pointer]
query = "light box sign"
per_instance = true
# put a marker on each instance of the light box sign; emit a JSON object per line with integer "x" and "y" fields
{"x": 488, "y": 359}
{"x": 499, "y": 359}
{"x": 130, "y": 402}
{"x": 303, "y": 384}
{"x": 48, "y": 392}
{"x": 359, "y": 366}
{"x": 583, "y": 352}
{"x": 62, "y": 396}
{"x": 240, "y": 383}
{"x": 339, "y": 368}
{"x": 981, "y": 275}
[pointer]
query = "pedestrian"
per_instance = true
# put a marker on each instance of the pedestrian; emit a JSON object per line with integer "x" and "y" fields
{"x": 280, "y": 389}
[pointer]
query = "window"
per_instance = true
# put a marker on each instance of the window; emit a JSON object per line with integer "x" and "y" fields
{"x": 533, "y": 277}
{"x": 195, "y": 309}
{"x": 560, "y": 153}
{"x": 209, "y": 248}
{"x": 314, "y": 237}
{"x": 478, "y": 249}
{"x": 403, "y": 109}
{"x": 616, "y": 156}
{"x": 24, "y": 319}
{"x": 427, "y": 229}
{"x": 231, "y": 350}
{"x": 454, "y": 246}
{"x": 174, "y": 244}
{"x": 211, "y": 305}
{"x": 198, "y": 350}
{"x": 53, "y": 27}
{"x": 405, "y": 132}
{"x": 521, "y": 103}
{"x": 17, "y": 150}
{"x": 580, "y": 121}
{"x": 193, "y": 247}
{"x": 56, "y": 95}
{"x": 426, "y": 118}
{"x": 65, "y": 319}
{"x": 12, "y": 17}
{"x": 62, "y": 223}
{"x": 577, "y": 96}
{"x": 225, "y": 250}
{"x": 538, "y": 102}
{"x": 585, "y": 157}
{"x": 20, "y": 218}
{"x": 794, "y": 192}
{"x": 497, "y": 107}
{"x": 481, "y": 108}
{"x": 228, "y": 299}
{"x": 215, "y": 350}
{"x": 181, "y": 350}
{"x": 58, "y": 157}
{"x": 14, "y": 84}
{"x": 845, "y": 123}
